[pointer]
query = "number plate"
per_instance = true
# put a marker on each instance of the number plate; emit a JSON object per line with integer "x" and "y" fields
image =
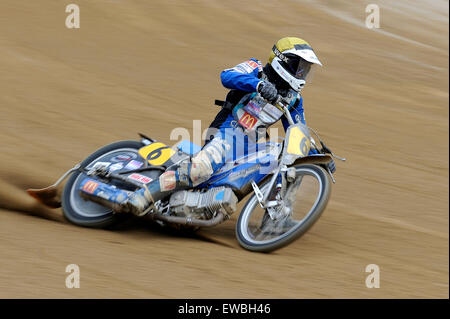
{"x": 156, "y": 153}
{"x": 298, "y": 142}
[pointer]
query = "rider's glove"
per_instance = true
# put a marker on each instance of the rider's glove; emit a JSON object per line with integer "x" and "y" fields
{"x": 331, "y": 166}
{"x": 267, "y": 91}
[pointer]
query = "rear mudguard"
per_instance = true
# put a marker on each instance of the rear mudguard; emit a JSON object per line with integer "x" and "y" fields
{"x": 50, "y": 196}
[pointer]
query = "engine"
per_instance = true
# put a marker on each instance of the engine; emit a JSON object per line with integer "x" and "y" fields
{"x": 203, "y": 204}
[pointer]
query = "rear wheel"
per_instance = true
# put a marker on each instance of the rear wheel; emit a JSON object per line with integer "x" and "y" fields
{"x": 87, "y": 213}
{"x": 307, "y": 197}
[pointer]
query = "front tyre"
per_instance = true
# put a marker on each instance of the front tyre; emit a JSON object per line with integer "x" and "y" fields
{"x": 86, "y": 213}
{"x": 308, "y": 195}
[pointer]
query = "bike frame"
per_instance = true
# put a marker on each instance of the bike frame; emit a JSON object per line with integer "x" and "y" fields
{"x": 250, "y": 174}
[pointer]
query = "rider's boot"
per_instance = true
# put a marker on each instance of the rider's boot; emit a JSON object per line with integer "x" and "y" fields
{"x": 140, "y": 201}
{"x": 190, "y": 172}
{"x": 124, "y": 201}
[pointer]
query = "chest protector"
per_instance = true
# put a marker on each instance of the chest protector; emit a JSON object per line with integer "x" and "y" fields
{"x": 253, "y": 112}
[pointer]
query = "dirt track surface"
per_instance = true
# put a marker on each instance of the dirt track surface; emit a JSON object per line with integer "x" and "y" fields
{"x": 381, "y": 100}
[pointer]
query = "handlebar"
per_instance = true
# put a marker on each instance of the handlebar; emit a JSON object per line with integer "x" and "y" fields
{"x": 284, "y": 107}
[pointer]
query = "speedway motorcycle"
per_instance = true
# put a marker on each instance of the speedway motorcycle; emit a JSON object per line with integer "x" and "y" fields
{"x": 284, "y": 200}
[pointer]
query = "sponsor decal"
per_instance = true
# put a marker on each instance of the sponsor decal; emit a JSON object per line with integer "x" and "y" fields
{"x": 254, "y": 65}
{"x": 140, "y": 178}
{"x": 115, "y": 167}
{"x": 280, "y": 55}
{"x": 133, "y": 165}
{"x": 298, "y": 143}
{"x": 253, "y": 108}
{"x": 260, "y": 67}
{"x": 273, "y": 111}
{"x": 244, "y": 173}
{"x": 240, "y": 69}
{"x": 124, "y": 157}
{"x": 247, "y": 67}
{"x": 90, "y": 187}
{"x": 248, "y": 121}
{"x": 167, "y": 181}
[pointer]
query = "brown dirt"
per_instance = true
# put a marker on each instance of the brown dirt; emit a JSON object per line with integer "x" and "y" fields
{"x": 381, "y": 100}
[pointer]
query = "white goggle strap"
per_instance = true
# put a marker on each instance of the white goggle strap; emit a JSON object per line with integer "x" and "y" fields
{"x": 279, "y": 54}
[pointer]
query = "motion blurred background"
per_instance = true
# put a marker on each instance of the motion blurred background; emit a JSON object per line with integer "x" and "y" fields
{"x": 381, "y": 100}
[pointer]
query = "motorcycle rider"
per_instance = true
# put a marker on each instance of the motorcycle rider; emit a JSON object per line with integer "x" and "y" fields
{"x": 286, "y": 72}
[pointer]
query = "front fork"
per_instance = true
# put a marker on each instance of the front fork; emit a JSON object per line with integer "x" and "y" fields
{"x": 281, "y": 176}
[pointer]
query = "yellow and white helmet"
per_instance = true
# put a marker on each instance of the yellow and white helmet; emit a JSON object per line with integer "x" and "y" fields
{"x": 292, "y": 58}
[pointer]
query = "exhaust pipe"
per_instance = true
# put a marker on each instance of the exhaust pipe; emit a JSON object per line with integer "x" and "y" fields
{"x": 220, "y": 217}
{"x": 117, "y": 208}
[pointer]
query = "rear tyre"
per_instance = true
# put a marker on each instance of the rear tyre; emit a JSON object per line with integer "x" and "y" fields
{"x": 86, "y": 213}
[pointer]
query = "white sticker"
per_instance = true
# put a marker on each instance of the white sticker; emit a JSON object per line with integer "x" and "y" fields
{"x": 134, "y": 165}
{"x": 168, "y": 181}
{"x": 116, "y": 167}
{"x": 140, "y": 178}
{"x": 248, "y": 67}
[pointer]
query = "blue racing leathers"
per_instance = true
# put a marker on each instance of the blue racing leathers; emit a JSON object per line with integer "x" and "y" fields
{"x": 228, "y": 142}
{"x": 245, "y": 78}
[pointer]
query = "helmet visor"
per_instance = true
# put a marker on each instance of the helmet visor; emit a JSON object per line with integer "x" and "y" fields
{"x": 297, "y": 66}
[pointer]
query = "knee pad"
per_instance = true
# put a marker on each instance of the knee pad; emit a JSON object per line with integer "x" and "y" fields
{"x": 200, "y": 168}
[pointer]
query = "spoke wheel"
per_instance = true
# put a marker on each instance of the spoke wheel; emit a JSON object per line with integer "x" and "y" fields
{"x": 305, "y": 199}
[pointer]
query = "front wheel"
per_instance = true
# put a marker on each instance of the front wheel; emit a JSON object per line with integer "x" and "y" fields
{"x": 303, "y": 202}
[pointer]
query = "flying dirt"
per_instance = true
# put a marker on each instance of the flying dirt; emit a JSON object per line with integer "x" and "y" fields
{"x": 381, "y": 99}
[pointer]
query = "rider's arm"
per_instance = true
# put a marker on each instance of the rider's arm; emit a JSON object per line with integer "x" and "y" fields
{"x": 243, "y": 76}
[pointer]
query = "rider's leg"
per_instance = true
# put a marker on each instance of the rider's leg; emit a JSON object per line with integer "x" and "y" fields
{"x": 188, "y": 173}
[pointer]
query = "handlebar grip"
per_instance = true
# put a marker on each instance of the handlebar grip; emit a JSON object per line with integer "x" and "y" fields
{"x": 278, "y": 103}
